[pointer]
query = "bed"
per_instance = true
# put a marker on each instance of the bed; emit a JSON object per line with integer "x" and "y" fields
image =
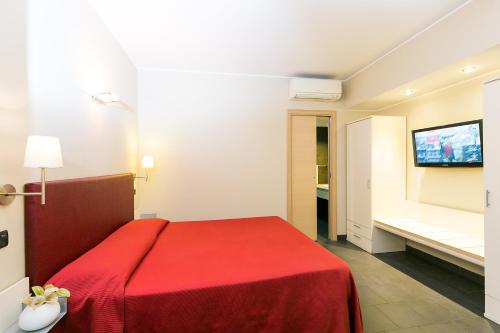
{"x": 241, "y": 275}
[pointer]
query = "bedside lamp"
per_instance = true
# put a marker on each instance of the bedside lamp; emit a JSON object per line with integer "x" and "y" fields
{"x": 41, "y": 152}
{"x": 148, "y": 162}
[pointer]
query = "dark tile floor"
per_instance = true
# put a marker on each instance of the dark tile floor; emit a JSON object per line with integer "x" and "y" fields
{"x": 467, "y": 291}
{"x": 391, "y": 301}
{"x": 322, "y": 227}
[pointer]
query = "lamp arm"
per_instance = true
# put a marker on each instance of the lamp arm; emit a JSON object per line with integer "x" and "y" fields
{"x": 143, "y": 177}
{"x": 21, "y": 194}
{"x": 8, "y": 194}
{"x": 10, "y": 191}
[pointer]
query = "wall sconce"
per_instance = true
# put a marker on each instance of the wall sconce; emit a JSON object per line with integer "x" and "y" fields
{"x": 106, "y": 97}
{"x": 148, "y": 162}
{"x": 41, "y": 152}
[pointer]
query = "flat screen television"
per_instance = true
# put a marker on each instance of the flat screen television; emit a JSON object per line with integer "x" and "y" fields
{"x": 454, "y": 145}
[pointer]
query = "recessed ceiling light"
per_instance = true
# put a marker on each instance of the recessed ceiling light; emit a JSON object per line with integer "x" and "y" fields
{"x": 469, "y": 69}
{"x": 409, "y": 92}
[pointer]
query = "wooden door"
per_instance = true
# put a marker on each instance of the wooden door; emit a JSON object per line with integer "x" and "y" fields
{"x": 492, "y": 186}
{"x": 359, "y": 172}
{"x": 303, "y": 174}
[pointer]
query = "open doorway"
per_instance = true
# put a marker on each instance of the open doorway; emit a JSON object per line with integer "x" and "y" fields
{"x": 312, "y": 173}
{"x": 322, "y": 175}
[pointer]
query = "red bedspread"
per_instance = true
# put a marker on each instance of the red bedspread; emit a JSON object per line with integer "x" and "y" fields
{"x": 97, "y": 279}
{"x": 245, "y": 275}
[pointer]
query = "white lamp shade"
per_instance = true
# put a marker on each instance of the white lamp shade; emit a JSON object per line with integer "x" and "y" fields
{"x": 43, "y": 152}
{"x": 148, "y": 162}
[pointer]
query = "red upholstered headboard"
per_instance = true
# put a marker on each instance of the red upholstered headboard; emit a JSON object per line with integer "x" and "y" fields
{"x": 78, "y": 214}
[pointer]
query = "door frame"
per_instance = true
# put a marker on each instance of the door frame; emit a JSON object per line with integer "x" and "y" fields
{"x": 332, "y": 166}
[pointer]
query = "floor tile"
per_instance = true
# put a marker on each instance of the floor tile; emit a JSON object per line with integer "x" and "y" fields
{"x": 451, "y": 327}
{"x": 407, "y": 330}
{"x": 476, "y": 325}
{"x": 461, "y": 289}
{"x": 404, "y": 315}
{"x": 479, "y": 325}
{"x": 368, "y": 296}
{"x": 375, "y": 320}
{"x": 392, "y": 301}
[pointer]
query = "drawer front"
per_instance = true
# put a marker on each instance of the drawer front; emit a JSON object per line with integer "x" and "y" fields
{"x": 358, "y": 240}
{"x": 360, "y": 229}
{"x": 366, "y": 223}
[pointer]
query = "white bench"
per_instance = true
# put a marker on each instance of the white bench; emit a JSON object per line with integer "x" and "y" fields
{"x": 454, "y": 232}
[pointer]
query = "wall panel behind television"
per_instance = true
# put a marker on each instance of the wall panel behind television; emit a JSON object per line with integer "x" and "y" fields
{"x": 460, "y": 188}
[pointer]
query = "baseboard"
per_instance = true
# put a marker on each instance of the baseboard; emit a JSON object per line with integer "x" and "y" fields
{"x": 10, "y": 302}
{"x": 492, "y": 309}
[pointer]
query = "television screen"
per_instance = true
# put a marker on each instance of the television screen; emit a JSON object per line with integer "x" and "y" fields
{"x": 455, "y": 145}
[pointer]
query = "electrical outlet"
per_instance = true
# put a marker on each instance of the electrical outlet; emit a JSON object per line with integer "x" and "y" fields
{"x": 4, "y": 238}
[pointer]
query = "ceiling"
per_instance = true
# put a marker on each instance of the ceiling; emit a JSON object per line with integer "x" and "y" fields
{"x": 266, "y": 37}
{"x": 487, "y": 62}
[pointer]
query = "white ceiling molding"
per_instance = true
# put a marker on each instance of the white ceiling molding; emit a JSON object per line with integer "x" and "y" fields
{"x": 466, "y": 33}
{"x": 408, "y": 40}
{"x": 479, "y": 78}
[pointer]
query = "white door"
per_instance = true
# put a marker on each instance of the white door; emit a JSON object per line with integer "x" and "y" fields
{"x": 491, "y": 135}
{"x": 303, "y": 174}
{"x": 359, "y": 172}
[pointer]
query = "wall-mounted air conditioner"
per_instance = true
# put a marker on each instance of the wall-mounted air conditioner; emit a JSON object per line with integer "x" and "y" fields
{"x": 315, "y": 89}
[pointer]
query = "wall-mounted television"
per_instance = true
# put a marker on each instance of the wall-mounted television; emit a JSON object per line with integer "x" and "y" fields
{"x": 453, "y": 145}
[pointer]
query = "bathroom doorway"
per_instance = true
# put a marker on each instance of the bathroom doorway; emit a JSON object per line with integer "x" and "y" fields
{"x": 312, "y": 192}
{"x": 322, "y": 175}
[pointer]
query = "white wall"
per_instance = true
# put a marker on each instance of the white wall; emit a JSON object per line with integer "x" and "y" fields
{"x": 220, "y": 142}
{"x": 67, "y": 54}
{"x": 13, "y": 131}
{"x": 71, "y": 56}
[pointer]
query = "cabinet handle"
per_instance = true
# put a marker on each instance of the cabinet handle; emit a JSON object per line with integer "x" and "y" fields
{"x": 488, "y": 203}
{"x": 357, "y": 226}
{"x": 369, "y": 184}
{"x": 356, "y": 236}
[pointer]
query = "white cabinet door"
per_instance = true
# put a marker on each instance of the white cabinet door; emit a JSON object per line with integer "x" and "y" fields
{"x": 359, "y": 172}
{"x": 491, "y": 135}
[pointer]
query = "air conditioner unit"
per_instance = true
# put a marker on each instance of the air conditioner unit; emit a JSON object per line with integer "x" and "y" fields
{"x": 315, "y": 89}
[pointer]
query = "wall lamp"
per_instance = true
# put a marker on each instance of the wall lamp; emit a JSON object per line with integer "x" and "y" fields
{"x": 106, "y": 97}
{"x": 148, "y": 162}
{"x": 41, "y": 152}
